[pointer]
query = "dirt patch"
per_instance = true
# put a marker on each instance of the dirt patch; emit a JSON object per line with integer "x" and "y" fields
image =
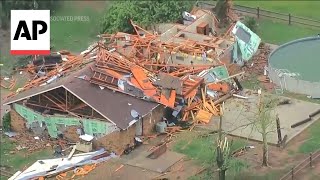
{"x": 310, "y": 173}
{"x": 278, "y": 159}
{"x": 296, "y": 142}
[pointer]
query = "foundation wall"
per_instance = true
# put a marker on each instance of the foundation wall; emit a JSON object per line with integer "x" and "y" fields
{"x": 151, "y": 119}
{"x": 117, "y": 141}
{"x": 18, "y": 124}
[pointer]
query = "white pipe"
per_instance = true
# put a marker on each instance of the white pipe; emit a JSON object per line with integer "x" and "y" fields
{"x": 239, "y": 96}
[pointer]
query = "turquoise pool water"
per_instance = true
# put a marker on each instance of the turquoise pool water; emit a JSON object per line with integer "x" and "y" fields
{"x": 300, "y": 56}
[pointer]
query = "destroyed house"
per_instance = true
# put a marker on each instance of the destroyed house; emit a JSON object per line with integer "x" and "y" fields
{"x": 71, "y": 105}
{"x": 179, "y": 44}
{"x": 198, "y": 32}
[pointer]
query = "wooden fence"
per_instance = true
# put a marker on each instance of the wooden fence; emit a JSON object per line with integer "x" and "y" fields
{"x": 261, "y": 13}
{"x": 308, "y": 162}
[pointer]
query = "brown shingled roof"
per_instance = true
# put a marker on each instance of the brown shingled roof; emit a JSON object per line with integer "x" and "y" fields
{"x": 114, "y": 106}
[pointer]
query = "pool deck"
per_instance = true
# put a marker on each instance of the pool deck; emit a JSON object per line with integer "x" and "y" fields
{"x": 239, "y": 114}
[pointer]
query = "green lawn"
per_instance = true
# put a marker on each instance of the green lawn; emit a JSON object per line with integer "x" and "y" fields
{"x": 279, "y": 33}
{"x": 202, "y": 150}
{"x": 313, "y": 140}
{"x": 19, "y": 159}
{"x": 308, "y": 9}
{"x": 74, "y": 36}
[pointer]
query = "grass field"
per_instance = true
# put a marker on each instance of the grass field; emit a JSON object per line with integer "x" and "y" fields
{"x": 75, "y": 35}
{"x": 279, "y": 33}
{"x": 203, "y": 151}
{"x": 308, "y": 9}
{"x": 313, "y": 143}
{"x": 20, "y": 159}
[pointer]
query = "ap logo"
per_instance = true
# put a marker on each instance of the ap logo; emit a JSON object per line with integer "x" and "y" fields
{"x": 30, "y": 32}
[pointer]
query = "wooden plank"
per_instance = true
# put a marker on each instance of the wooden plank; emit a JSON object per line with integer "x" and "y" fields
{"x": 141, "y": 77}
{"x": 168, "y": 102}
{"x": 203, "y": 116}
{"x": 209, "y": 107}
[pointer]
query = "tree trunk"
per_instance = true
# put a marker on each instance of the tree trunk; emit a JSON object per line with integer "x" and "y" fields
{"x": 220, "y": 160}
{"x": 222, "y": 174}
{"x": 264, "y": 150}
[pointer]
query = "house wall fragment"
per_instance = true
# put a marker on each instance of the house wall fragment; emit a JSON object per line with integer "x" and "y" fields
{"x": 56, "y": 123}
{"x": 18, "y": 124}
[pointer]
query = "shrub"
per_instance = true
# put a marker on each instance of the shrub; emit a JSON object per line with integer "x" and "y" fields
{"x": 6, "y": 122}
{"x": 251, "y": 23}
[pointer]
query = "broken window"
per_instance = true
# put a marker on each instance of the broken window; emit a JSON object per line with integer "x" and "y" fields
{"x": 243, "y": 35}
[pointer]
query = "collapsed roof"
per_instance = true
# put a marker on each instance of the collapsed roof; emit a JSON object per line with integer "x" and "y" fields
{"x": 144, "y": 66}
{"x": 114, "y": 106}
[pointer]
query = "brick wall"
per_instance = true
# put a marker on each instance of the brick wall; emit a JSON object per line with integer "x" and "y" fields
{"x": 117, "y": 141}
{"x": 18, "y": 124}
{"x": 71, "y": 133}
{"x": 151, "y": 119}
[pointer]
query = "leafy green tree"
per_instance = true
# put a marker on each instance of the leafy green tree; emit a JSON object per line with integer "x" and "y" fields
{"x": 6, "y": 122}
{"x": 251, "y": 23}
{"x": 222, "y": 9}
{"x": 144, "y": 13}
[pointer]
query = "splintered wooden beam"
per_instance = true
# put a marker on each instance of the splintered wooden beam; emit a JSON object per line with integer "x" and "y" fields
{"x": 142, "y": 78}
{"x": 197, "y": 84}
{"x": 136, "y": 28}
{"x": 180, "y": 65}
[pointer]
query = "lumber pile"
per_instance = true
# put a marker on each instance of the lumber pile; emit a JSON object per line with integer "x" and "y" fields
{"x": 7, "y": 83}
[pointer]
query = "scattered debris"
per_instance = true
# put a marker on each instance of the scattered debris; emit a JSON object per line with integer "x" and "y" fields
{"x": 120, "y": 167}
{"x": 190, "y": 76}
{"x": 158, "y": 151}
{"x": 284, "y": 102}
{"x": 85, "y": 143}
{"x": 241, "y": 151}
{"x": 11, "y": 134}
{"x": 51, "y": 167}
{"x": 7, "y": 83}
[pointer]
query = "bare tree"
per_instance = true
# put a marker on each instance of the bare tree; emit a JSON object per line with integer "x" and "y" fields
{"x": 260, "y": 119}
{"x": 264, "y": 122}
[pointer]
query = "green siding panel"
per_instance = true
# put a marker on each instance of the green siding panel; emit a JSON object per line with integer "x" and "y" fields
{"x": 91, "y": 126}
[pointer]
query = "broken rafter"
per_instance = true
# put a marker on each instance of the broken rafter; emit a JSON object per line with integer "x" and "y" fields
{"x": 137, "y": 28}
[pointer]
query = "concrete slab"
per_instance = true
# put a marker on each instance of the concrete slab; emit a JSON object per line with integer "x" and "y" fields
{"x": 107, "y": 169}
{"x": 161, "y": 164}
{"x": 240, "y": 112}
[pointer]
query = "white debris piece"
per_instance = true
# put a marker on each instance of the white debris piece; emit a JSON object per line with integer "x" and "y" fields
{"x": 86, "y": 137}
{"x": 55, "y": 166}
